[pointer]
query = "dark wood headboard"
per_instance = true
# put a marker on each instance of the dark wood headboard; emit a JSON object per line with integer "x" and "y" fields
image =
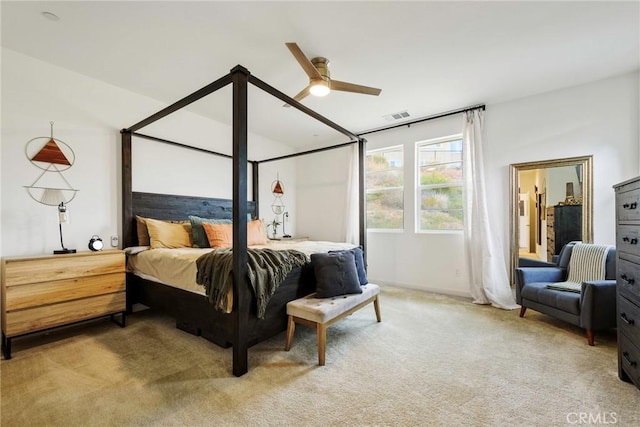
{"x": 173, "y": 207}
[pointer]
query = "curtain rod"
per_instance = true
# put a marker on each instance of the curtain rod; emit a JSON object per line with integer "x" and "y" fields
{"x": 424, "y": 119}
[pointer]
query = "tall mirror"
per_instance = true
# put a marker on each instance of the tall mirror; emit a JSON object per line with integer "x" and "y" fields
{"x": 551, "y": 204}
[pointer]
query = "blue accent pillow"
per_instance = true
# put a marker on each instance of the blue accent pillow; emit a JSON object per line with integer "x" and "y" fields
{"x": 335, "y": 274}
{"x": 198, "y": 235}
{"x": 359, "y": 256}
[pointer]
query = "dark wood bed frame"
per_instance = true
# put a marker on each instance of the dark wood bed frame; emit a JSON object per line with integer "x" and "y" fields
{"x": 192, "y": 312}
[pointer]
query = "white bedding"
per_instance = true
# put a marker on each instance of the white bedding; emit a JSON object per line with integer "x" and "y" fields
{"x": 177, "y": 267}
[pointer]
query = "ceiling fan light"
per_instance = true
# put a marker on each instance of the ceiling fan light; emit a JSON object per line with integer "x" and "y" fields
{"x": 319, "y": 88}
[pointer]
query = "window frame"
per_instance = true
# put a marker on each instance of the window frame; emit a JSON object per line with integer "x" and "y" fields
{"x": 418, "y": 187}
{"x": 367, "y": 190}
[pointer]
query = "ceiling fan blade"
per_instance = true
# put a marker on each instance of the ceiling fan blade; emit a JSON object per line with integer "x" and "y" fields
{"x": 303, "y": 94}
{"x": 304, "y": 62}
{"x": 351, "y": 87}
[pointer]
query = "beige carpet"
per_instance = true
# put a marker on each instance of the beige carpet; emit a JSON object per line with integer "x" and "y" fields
{"x": 434, "y": 360}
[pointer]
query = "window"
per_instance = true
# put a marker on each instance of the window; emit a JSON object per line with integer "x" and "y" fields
{"x": 385, "y": 189}
{"x": 439, "y": 184}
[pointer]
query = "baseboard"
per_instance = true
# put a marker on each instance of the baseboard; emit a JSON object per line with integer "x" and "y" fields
{"x": 442, "y": 291}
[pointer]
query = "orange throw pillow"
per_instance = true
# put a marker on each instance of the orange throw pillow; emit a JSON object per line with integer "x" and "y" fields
{"x": 255, "y": 233}
{"x": 221, "y": 235}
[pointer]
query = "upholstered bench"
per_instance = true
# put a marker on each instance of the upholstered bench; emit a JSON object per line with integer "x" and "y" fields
{"x": 320, "y": 313}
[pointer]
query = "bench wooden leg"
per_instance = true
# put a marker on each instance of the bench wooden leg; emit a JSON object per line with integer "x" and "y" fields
{"x": 376, "y": 306}
{"x": 322, "y": 343}
{"x": 291, "y": 327}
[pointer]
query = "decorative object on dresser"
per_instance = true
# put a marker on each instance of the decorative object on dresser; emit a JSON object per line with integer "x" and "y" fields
{"x": 285, "y": 218}
{"x": 51, "y": 187}
{"x": 277, "y": 189}
{"x": 95, "y": 243}
{"x": 628, "y": 276}
{"x": 44, "y": 292}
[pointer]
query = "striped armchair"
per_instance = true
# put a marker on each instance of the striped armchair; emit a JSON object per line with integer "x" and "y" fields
{"x": 591, "y": 305}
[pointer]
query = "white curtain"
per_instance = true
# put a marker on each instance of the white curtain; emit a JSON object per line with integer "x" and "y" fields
{"x": 487, "y": 266}
{"x": 351, "y": 230}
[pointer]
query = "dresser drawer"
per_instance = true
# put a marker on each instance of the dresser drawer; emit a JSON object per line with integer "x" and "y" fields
{"x": 60, "y": 267}
{"x": 628, "y": 239}
{"x": 628, "y": 278}
{"x": 37, "y": 294}
{"x": 629, "y": 355}
{"x": 628, "y": 318}
{"x": 47, "y": 316}
{"x": 628, "y": 203}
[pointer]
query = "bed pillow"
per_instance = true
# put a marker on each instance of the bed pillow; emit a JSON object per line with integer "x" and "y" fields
{"x": 256, "y": 234}
{"x": 143, "y": 232}
{"x": 221, "y": 235}
{"x": 335, "y": 274}
{"x": 359, "y": 257}
{"x": 168, "y": 235}
{"x": 198, "y": 236}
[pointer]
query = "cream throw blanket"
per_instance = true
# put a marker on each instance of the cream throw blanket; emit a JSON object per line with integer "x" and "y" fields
{"x": 587, "y": 263}
{"x": 267, "y": 269}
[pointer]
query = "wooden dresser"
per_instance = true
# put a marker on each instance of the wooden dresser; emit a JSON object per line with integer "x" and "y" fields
{"x": 628, "y": 277}
{"x": 44, "y": 292}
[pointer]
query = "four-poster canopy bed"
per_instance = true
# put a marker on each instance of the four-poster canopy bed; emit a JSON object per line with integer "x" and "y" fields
{"x": 241, "y": 328}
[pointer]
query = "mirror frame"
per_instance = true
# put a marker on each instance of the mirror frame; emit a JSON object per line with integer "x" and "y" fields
{"x": 587, "y": 199}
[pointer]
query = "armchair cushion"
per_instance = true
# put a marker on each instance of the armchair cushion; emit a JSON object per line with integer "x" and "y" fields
{"x": 565, "y": 301}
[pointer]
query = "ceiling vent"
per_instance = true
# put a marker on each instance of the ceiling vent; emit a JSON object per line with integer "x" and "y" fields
{"x": 396, "y": 116}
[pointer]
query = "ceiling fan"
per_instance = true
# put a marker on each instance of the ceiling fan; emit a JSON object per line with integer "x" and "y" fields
{"x": 320, "y": 82}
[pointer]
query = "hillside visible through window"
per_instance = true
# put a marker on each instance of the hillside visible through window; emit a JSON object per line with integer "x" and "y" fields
{"x": 385, "y": 189}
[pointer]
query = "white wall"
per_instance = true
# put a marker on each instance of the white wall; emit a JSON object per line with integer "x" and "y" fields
{"x": 599, "y": 119}
{"x": 322, "y": 194}
{"x": 88, "y": 116}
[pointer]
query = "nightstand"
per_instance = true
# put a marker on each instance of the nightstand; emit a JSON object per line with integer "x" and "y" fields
{"x": 44, "y": 292}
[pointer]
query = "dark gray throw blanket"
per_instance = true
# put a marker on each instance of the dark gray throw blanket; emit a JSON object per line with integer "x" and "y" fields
{"x": 267, "y": 269}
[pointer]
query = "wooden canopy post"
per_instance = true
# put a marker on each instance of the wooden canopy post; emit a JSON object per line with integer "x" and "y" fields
{"x": 362, "y": 197}
{"x": 241, "y": 292}
{"x": 128, "y": 228}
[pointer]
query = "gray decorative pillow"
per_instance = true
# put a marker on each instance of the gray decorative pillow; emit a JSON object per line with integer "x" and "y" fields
{"x": 359, "y": 256}
{"x": 198, "y": 236}
{"x": 335, "y": 274}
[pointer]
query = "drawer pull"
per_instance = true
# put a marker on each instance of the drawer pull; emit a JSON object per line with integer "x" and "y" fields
{"x": 625, "y": 354}
{"x": 630, "y": 205}
{"x": 630, "y": 281}
{"x": 626, "y": 320}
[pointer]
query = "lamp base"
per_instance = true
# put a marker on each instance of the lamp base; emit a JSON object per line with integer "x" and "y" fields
{"x": 64, "y": 251}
